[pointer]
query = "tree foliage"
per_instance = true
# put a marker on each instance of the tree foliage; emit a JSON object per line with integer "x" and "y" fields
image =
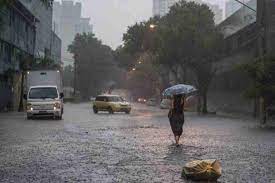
{"x": 139, "y": 37}
{"x": 185, "y": 42}
{"x": 124, "y": 59}
{"x": 94, "y": 64}
{"x": 144, "y": 81}
{"x": 262, "y": 72}
{"x": 188, "y": 39}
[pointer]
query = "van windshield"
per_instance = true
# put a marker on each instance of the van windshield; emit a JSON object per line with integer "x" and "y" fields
{"x": 43, "y": 93}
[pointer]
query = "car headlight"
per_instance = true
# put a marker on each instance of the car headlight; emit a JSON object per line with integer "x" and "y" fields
{"x": 57, "y": 105}
{"x": 29, "y": 107}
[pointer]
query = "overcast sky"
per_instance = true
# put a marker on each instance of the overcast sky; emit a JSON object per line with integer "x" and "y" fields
{"x": 111, "y": 18}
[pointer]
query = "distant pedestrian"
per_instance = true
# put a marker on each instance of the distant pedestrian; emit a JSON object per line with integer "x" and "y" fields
{"x": 176, "y": 116}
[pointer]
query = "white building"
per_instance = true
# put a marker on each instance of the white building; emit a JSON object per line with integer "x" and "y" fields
{"x": 162, "y": 7}
{"x": 67, "y": 22}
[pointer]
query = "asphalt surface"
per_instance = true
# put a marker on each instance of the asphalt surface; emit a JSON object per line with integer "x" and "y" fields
{"x": 139, "y": 147}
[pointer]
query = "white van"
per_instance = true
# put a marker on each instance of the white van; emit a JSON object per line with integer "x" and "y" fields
{"x": 44, "y": 94}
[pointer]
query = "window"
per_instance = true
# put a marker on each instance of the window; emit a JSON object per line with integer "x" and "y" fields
{"x": 43, "y": 93}
{"x": 101, "y": 99}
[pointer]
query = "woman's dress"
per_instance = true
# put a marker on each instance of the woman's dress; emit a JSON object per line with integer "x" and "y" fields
{"x": 176, "y": 118}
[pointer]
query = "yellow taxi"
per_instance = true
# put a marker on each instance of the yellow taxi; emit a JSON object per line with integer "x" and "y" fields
{"x": 111, "y": 103}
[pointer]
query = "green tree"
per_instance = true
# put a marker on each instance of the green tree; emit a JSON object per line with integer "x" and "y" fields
{"x": 139, "y": 37}
{"x": 262, "y": 73}
{"x": 134, "y": 37}
{"x": 94, "y": 64}
{"x": 187, "y": 40}
{"x": 124, "y": 59}
{"x": 136, "y": 80}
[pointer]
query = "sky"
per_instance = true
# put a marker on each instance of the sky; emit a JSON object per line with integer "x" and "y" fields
{"x": 110, "y": 18}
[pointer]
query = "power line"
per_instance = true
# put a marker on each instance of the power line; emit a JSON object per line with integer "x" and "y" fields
{"x": 246, "y": 5}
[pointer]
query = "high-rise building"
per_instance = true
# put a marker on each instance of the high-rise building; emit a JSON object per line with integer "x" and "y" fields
{"x": 67, "y": 22}
{"x": 162, "y": 7}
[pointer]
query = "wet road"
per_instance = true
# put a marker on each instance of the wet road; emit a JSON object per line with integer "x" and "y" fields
{"x": 85, "y": 147}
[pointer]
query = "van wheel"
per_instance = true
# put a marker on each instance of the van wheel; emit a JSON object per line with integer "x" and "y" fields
{"x": 59, "y": 117}
{"x": 95, "y": 110}
{"x": 29, "y": 118}
{"x": 110, "y": 110}
{"x": 127, "y": 112}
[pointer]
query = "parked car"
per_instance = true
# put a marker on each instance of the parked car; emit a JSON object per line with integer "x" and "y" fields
{"x": 111, "y": 103}
{"x": 166, "y": 103}
{"x": 151, "y": 102}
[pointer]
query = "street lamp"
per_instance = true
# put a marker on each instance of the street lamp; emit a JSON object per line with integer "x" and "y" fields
{"x": 152, "y": 26}
{"x": 139, "y": 62}
{"x": 134, "y": 69}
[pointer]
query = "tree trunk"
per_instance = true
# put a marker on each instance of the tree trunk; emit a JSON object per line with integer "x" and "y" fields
{"x": 255, "y": 107}
{"x": 204, "y": 105}
{"x": 21, "y": 103}
{"x": 263, "y": 115}
{"x": 199, "y": 105}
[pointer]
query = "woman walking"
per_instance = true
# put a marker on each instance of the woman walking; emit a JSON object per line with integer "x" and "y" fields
{"x": 176, "y": 116}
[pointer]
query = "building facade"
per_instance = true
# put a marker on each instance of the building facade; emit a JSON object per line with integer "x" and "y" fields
{"x": 47, "y": 44}
{"x": 232, "y": 6}
{"x": 240, "y": 19}
{"x": 248, "y": 35}
{"x": 67, "y": 22}
{"x": 17, "y": 47}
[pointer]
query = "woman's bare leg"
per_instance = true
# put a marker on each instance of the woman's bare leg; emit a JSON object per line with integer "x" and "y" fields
{"x": 177, "y": 140}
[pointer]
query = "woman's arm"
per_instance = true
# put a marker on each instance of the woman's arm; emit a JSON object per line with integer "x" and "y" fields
{"x": 172, "y": 104}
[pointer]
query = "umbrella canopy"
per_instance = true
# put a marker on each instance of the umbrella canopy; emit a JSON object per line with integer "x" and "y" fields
{"x": 180, "y": 89}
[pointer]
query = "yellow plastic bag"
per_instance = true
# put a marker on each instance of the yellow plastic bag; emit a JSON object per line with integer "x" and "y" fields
{"x": 202, "y": 170}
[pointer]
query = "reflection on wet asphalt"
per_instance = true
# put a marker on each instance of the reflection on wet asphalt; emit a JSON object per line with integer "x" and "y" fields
{"x": 85, "y": 147}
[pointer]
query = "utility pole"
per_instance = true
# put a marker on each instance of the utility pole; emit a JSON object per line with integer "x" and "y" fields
{"x": 74, "y": 77}
{"x": 262, "y": 49}
{"x": 75, "y": 74}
